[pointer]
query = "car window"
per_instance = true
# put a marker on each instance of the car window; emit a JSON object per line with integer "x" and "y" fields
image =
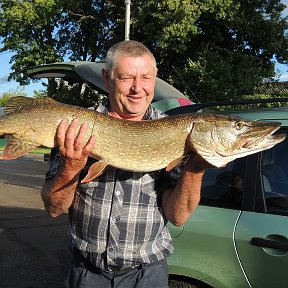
{"x": 274, "y": 173}
{"x": 223, "y": 187}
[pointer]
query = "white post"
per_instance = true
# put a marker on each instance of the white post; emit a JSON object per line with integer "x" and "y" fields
{"x": 127, "y": 20}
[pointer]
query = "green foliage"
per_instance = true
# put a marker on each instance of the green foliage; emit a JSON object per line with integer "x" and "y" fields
{"x": 12, "y": 93}
{"x": 220, "y": 73}
{"x": 4, "y": 98}
{"x": 228, "y": 49}
{"x": 76, "y": 94}
{"x": 39, "y": 93}
{"x": 211, "y": 50}
{"x": 85, "y": 32}
{"x": 28, "y": 28}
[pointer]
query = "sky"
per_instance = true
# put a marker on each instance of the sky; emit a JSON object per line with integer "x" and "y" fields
{"x": 6, "y": 86}
{"x": 9, "y": 86}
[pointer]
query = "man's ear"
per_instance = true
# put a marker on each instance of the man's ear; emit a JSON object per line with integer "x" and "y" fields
{"x": 105, "y": 77}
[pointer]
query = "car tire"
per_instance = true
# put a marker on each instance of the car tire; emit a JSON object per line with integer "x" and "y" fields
{"x": 180, "y": 284}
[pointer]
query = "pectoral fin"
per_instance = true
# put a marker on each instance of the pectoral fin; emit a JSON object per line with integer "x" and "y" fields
{"x": 177, "y": 162}
{"x": 220, "y": 161}
{"x": 16, "y": 148}
{"x": 95, "y": 171}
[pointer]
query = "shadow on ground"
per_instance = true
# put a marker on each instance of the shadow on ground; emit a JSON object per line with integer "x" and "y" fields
{"x": 33, "y": 250}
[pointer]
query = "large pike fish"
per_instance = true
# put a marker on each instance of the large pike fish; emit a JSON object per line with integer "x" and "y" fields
{"x": 141, "y": 146}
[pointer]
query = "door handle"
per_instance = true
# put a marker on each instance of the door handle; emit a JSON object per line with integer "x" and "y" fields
{"x": 266, "y": 243}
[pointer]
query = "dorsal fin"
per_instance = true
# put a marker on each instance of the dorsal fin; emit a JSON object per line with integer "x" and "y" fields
{"x": 19, "y": 102}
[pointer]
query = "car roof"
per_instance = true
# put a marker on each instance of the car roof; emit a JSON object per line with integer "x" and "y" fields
{"x": 266, "y": 114}
{"x": 263, "y": 113}
{"x": 91, "y": 74}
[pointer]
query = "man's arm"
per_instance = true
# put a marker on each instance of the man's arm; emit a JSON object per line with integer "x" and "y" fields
{"x": 179, "y": 202}
{"x": 58, "y": 193}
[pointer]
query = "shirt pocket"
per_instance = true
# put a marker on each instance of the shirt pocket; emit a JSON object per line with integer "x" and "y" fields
{"x": 90, "y": 190}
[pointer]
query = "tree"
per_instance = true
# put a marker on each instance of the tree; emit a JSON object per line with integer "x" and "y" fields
{"x": 211, "y": 50}
{"x": 12, "y": 93}
{"x": 42, "y": 32}
{"x": 221, "y": 49}
{"x": 28, "y": 29}
{"x": 86, "y": 29}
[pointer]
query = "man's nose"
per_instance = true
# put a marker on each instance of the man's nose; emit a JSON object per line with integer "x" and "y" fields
{"x": 137, "y": 84}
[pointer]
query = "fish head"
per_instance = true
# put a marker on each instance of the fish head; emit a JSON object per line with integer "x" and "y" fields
{"x": 220, "y": 138}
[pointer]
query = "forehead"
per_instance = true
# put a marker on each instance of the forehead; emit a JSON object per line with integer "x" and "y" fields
{"x": 127, "y": 64}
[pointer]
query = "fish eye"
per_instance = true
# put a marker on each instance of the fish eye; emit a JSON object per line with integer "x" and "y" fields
{"x": 239, "y": 125}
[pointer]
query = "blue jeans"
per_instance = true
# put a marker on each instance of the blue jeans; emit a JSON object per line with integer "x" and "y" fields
{"x": 143, "y": 276}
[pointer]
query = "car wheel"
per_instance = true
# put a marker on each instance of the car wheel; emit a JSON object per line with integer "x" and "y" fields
{"x": 180, "y": 284}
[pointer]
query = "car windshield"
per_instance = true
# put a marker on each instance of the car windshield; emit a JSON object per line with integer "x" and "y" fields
{"x": 223, "y": 187}
{"x": 274, "y": 174}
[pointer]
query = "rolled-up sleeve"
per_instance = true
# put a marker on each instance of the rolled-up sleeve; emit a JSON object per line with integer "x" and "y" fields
{"x": 171, "y": 178}
{"x": 54, "y": 162}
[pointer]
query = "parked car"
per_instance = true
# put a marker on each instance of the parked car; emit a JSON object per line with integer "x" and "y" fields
{"x": 237, "y": 237}
{"x": 166, "y": 96}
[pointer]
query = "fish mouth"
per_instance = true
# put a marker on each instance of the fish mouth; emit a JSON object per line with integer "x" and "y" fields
{"x": 265, "y": 137}
{"x": 266, "y": 142}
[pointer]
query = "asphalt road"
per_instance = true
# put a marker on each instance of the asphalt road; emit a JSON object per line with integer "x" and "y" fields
{"x": 33, "y": 251}
{"x": 27, "y": 171}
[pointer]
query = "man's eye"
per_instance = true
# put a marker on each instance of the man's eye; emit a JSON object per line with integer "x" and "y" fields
{"x": 146, "y": 78}
{"x": 130, "y": 79}
{"x": 127, "y": 79}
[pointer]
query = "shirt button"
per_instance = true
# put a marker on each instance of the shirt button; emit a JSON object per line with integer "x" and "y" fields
{"x": 110, "y": 250}
{"x": 117, "y": 192}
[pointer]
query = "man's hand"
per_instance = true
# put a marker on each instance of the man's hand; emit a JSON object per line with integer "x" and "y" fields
{"x": 58, "y": 193}
{"x": 73, "y": 149}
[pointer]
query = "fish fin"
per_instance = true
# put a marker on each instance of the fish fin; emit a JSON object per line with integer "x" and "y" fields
{"x": 19, "y": 102}
{"x": 95, "y": 170}
{"x": 177, "y": 162}
{"x": 220, "y": 161}
{"x": 16, "y": 148}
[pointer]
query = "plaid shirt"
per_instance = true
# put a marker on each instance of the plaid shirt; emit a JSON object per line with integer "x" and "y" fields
{"x": 118, "y": 217}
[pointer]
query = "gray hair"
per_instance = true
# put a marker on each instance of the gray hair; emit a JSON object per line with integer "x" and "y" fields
{"x": 129, "y": 48}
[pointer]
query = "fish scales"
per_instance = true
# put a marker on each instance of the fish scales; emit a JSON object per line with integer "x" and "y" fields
{"x": 141, "y": 146}
{"x": 42, "y": 121}
{"x": 135, "y": 143}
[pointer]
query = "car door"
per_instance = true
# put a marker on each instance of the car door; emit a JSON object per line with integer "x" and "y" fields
{"x": 261, "y": 233}
{"x": 204, "y": 247}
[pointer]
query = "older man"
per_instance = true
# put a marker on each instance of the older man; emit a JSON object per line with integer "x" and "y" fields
{"x": 117, "y": 222}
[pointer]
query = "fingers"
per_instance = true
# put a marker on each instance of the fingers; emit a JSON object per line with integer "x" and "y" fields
{"x": 90, "y": 144}
{"x": 72, "y": 140}
{"x": 79, "y": 139}
{"x": 61, "y": 131}
{"x": 70, "y": 137}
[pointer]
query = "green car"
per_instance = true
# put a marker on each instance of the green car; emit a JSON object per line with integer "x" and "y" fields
{"x": 237, "y": 237}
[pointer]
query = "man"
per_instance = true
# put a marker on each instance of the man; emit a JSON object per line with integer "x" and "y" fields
{"x": 117, "y": 222}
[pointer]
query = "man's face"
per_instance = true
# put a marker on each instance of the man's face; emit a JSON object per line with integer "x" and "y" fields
{"x": 132, "y": 88}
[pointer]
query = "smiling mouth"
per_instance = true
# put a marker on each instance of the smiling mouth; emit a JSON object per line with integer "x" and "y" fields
{"x": 134, "y": 98}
